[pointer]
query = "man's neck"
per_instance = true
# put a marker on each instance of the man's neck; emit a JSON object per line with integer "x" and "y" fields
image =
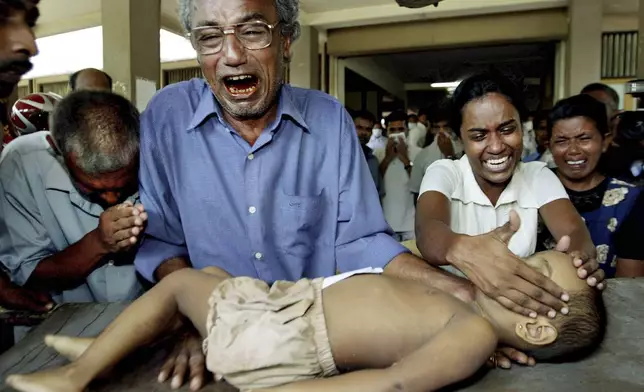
{"x": 251, "y": 128}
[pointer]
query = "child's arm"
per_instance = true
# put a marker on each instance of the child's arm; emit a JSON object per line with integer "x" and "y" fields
{"x": 452, "y": 355}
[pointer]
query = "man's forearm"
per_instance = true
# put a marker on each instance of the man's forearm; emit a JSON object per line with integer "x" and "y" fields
{"x": 408, "y": 266}
{"x": 385, "y": 164}
{"x": 70, "y": 267}
{"x": 171, "y": 265}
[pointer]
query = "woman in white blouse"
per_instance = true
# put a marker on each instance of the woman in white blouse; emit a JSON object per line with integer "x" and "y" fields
{"x": 464, "y": 208}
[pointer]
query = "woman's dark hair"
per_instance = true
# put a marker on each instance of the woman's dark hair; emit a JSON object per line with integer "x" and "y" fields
{"x": 477, "y": 87}
{"x": 580, "y": 106}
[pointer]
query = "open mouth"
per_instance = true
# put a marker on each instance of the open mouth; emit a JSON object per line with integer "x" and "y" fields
{"x": 578, "y": 164}
{"x": 498, "y": 165}
{"x": 241, "y": 85}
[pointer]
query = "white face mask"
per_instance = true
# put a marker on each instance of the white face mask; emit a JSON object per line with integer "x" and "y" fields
{"x": 376, "y": 132}
{"x": 397, "y": 137}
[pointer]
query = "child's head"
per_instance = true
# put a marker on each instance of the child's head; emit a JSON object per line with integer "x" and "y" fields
{"x": 564, "y": 338}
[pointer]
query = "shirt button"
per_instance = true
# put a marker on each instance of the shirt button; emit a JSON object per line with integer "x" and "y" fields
{"x": 110, "y": 263}
{"x": 259, "y": 256}
{"x": 252, "y": 210}
{"x": 251, "y": 157}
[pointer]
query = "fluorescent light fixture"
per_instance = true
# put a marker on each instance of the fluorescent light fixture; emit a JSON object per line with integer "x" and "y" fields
{"x": 447, "y": 85}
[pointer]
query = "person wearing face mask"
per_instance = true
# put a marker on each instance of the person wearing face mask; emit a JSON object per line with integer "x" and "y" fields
{"x": 446, "y": 145}
{"x": 68, "y": 201}
{"x": 463, "y": 204}
{"x": 417, "y": 131}
{"x": 378, "y": 140}
{"x": 364, "y": 122}
{"x": 613, "y": 210}
{"x": 395, "y": 166}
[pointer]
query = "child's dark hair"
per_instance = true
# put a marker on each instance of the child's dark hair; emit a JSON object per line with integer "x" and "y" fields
{"x": 580, "y": 332}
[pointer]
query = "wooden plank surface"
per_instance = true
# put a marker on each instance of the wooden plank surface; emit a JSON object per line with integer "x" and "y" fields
{"x": 137, "y": 374}
{"x": 618, "y": 366}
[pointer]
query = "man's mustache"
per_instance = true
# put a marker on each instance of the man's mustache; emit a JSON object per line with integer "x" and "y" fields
{"x": 15, "y": 66}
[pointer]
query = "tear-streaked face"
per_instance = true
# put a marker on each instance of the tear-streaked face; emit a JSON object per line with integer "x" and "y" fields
{"x": 245, "y": 82}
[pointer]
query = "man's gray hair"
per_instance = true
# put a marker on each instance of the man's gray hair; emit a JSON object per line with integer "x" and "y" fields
{"x": 101, "y": 129}
{"x": 287, "y": 13}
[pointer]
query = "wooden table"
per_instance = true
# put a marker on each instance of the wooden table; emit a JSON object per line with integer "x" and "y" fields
{"x": 618, "y": 366}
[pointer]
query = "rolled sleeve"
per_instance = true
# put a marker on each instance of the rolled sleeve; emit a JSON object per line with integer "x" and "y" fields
{"x": 363, "y": 236}
{"x": 24, "y": 241}
{"x": 164, "y": 233}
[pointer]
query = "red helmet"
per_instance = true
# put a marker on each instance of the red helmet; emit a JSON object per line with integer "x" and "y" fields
{"x": 31, "y": 113}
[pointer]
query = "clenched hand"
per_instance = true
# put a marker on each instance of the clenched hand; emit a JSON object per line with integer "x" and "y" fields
{"x": 121, "y": 226}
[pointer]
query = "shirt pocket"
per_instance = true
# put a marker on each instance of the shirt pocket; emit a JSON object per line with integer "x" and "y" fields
{"x": 298, "y": 224}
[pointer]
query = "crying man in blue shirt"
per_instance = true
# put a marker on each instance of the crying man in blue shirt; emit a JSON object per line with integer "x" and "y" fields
{"x": 246, "y": 173}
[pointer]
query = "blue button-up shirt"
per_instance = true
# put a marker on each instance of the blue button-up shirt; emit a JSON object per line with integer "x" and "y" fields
{"x": 300, "y": 202}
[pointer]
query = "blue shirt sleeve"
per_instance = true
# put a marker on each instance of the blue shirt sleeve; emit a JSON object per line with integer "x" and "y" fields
{"x": 164, "y": 237}
{"x": 364, "y": 239}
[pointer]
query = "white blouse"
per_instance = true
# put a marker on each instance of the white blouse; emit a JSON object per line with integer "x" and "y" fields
{"x": 533, "y": 185}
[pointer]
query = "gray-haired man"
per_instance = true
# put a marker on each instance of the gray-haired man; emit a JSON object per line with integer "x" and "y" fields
{"x": 68, "y": 202}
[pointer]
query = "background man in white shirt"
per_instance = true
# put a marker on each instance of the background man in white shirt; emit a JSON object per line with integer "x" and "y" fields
{"x": 446, "y": 145}
{"x": 395, "y": 166}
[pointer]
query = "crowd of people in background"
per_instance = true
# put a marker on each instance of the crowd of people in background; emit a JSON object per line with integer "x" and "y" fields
{"x": 242, "y": 173}
{"x": 596, "y": 154}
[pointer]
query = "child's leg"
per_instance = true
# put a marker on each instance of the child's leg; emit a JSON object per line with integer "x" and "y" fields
{"x": 72, "y": 347}
{"x": 185, "y": 292}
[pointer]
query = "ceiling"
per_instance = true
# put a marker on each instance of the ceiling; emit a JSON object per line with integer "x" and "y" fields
{"x": 526, "y": 60}
{"x": 59, "y": 16}
{"x": 315, "y": 6}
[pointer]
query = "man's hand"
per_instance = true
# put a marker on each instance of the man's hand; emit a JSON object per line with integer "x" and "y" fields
{"x": 188, "y": 354}
{"x": 391, "y": 148}
{"x": 18, "y": 298}
{"x": 504, "y": 356}
{"x": 445, "y": 144}
{"x": 120, "y": 226}
{"x": 403, "y": 152}
{"x": 489, "y": 264}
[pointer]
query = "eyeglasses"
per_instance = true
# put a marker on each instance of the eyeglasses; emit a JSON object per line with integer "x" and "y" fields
{"x": 252, "y": 35}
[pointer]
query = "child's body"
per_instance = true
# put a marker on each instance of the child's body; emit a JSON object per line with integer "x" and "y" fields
{"x": 382, "y": 333}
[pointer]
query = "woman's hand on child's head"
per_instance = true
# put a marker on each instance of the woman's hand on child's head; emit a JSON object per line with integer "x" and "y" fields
{"x": 494, "y": 269}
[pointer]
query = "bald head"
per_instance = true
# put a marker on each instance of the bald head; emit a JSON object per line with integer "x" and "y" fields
{"x": 90, "y": 79}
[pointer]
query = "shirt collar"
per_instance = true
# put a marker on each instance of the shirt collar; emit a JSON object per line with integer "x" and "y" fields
{"x": 208, "y": 106}
{"x": 518, "y": 190}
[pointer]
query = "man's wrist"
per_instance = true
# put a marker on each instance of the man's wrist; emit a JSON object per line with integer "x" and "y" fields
{"x": 169, "y": 266}
{"x": 97, "y": 245}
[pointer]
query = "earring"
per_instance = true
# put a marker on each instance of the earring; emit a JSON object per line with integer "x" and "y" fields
{"x": 520, "y": 326}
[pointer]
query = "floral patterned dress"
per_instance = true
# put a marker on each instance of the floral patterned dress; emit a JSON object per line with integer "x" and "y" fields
{"x": 613, "y": 214}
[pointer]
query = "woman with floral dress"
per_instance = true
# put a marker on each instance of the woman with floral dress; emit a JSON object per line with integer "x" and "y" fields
{"x": 612, "y": 209}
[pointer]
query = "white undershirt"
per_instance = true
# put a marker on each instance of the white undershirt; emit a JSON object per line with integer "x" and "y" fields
{"x": 337, "y": 278}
